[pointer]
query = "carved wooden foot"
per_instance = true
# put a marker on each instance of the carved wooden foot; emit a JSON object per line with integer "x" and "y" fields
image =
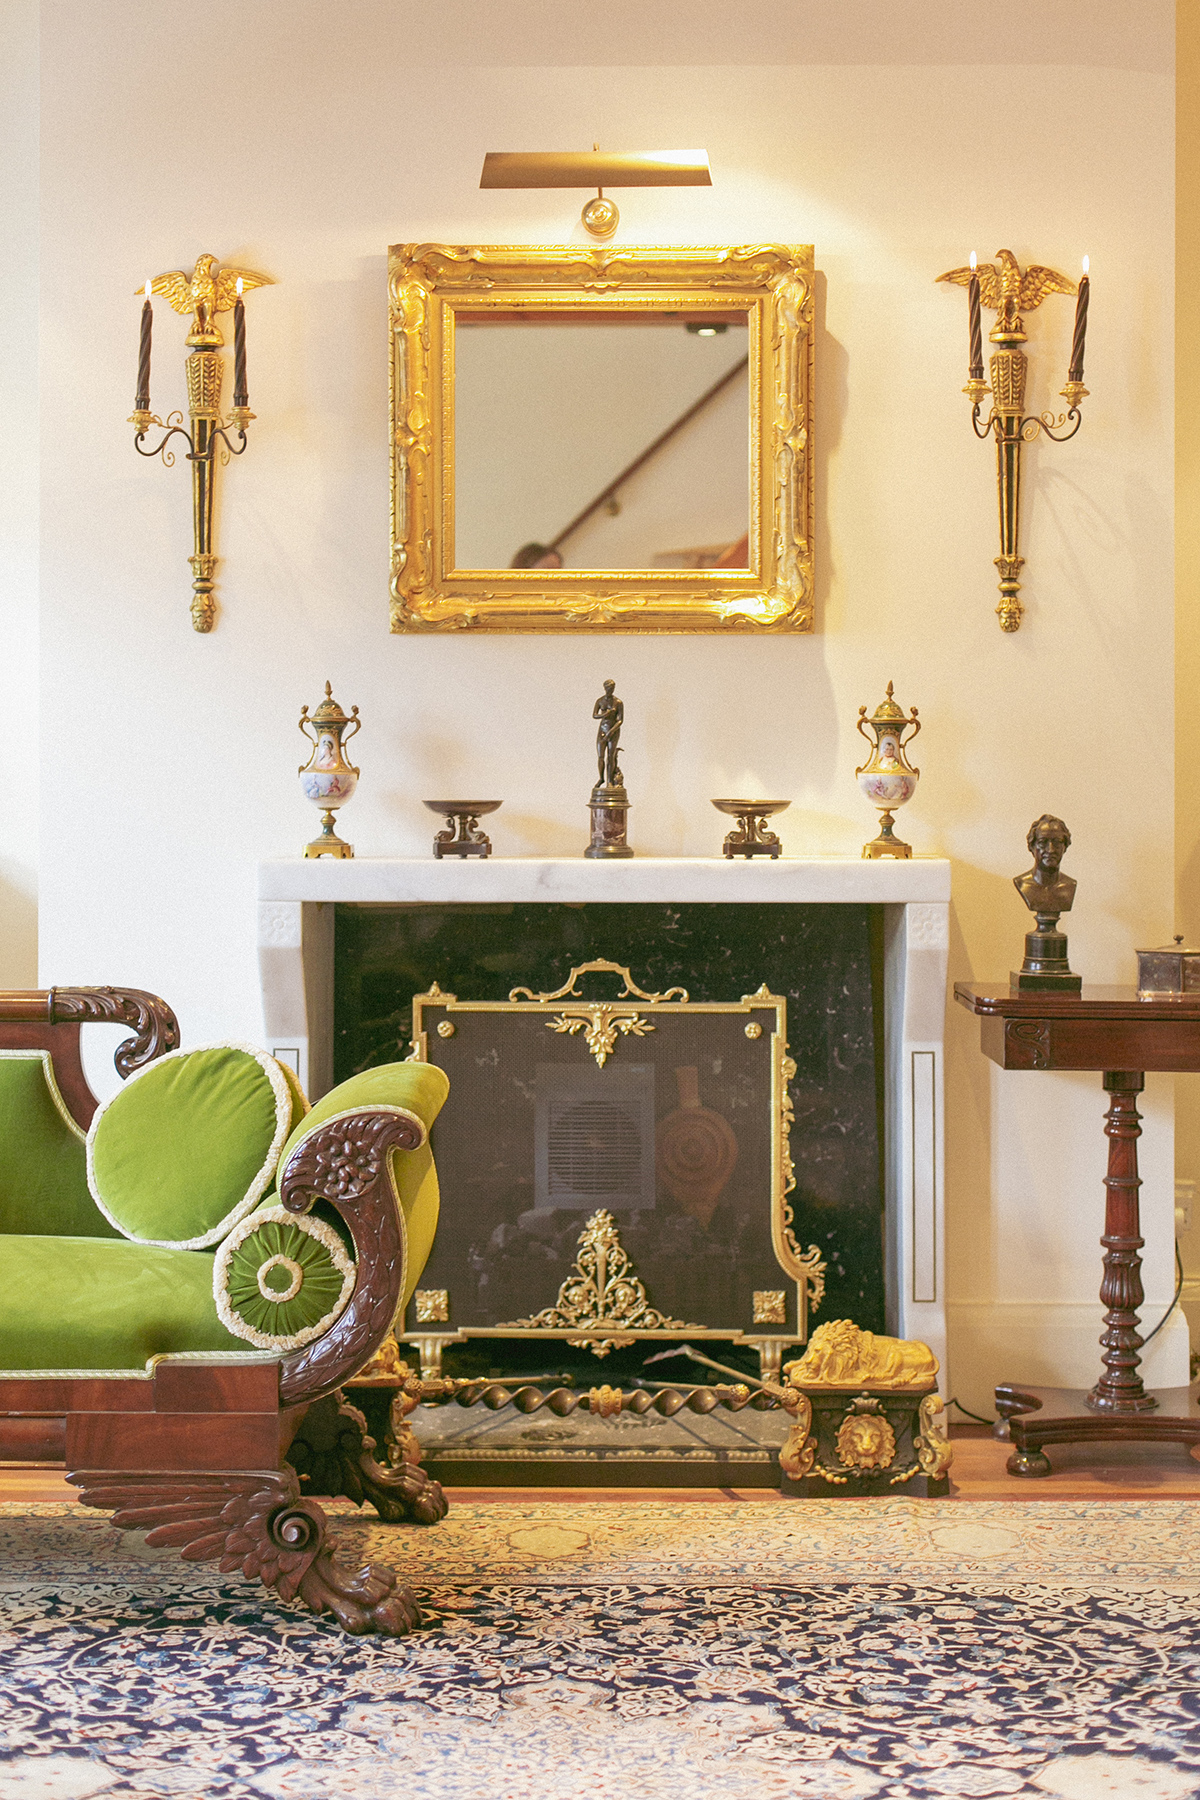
{"x": 333, "y": 1454}
{"x": 1030, "y": 1462}
{"x": 259, "y": 1524}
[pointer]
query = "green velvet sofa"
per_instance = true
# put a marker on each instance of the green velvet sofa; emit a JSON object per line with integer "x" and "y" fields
{"x": 189, "y": 1274}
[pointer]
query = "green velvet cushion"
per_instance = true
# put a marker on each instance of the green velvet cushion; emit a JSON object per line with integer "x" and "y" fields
{"x": 280, "y": 1279}
{"x": 416, "y": 1088}
{"x": 102, "y": 1303}
{"x": 189, "y": 1145}
{"x": 43, "y": 1165}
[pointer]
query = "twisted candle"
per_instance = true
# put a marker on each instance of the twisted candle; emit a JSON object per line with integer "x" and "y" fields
{"x": 975, "y": 371}
{"x": 142, "y": 400}
{"x": 1075, "y": 372}
{"x": 241, "y": 396}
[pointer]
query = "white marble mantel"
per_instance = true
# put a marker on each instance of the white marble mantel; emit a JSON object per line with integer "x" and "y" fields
{"x": 295, "y": 938}
{"x": 376, "y": 880}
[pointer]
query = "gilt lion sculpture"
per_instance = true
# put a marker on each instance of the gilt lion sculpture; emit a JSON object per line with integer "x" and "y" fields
{"x": 840, "y": 1355}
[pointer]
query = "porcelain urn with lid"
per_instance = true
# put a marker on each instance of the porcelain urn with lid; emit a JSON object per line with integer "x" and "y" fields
{"x": 327, "y": 779}
{"x": 887, "y": 778}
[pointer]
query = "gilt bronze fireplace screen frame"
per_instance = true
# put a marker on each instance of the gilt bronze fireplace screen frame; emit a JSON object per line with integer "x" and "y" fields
{"x": 431, "y": 285}
{"x": 584, "y": 1313}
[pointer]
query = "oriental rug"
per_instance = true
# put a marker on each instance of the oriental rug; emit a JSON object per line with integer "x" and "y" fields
{"x": 841, "y": 1650}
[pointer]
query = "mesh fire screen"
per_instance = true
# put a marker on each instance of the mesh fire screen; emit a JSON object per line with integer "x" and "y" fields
{"x": 617, "y": 1163}
{"x": 826, "y": 960}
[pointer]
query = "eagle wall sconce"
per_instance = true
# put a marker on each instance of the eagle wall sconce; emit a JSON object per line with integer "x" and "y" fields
{"x": 207, "y": 291}
{"x": 1009, "y": 292}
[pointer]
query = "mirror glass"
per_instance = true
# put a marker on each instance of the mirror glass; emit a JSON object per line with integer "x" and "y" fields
{"x": 601, "y": 441}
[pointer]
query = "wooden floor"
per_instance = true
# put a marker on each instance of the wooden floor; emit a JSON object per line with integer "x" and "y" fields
{"x": 1110, "y": 1472}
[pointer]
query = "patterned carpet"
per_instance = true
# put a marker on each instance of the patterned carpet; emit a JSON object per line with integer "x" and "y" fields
{"x": 817, "y": 1651}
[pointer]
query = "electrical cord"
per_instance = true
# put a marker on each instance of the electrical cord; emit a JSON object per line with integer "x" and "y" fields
{"x": 1175, "y": 1301}
{"x": 970, "y": 1415}
{"x": 1150, "y": 1334}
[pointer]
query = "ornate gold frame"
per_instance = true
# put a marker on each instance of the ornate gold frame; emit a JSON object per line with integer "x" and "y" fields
{"x": 429, "y": 283}
{"x": 603, "y": 1024}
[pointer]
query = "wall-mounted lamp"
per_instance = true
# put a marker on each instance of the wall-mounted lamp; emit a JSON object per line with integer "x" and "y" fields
{"x": 599, "y": 169}
{"x": 1009, "y": 291}
{"x": 207, "y": 291}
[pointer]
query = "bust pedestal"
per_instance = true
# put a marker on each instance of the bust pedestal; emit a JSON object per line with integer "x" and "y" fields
{"x": 1045, "y": 966}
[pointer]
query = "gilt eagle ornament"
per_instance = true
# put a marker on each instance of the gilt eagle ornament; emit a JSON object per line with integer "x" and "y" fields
{"x": 208, "y": 290}
{"x": 1008, "y": 292}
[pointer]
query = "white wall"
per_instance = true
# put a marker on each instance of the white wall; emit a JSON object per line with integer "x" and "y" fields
{"x": 877, "y": 133}
{"x": 19, "y": 488}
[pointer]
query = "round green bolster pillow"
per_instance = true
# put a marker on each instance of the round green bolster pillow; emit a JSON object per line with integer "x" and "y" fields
{"x": 281, "y": 1279}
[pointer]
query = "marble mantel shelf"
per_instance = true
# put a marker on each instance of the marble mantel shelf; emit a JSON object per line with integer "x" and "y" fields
{"x": 298, "y": 901}
{"x": 807, "y": 880}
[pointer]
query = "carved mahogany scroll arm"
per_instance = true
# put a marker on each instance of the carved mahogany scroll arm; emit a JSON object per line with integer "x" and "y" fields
{"x": 346, "y": 1161}
{"x": 155, "y": 1027}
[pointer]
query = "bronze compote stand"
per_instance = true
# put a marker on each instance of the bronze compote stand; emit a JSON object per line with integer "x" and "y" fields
{"x": 752, "y": 838}
{"x": 462, "y": 836}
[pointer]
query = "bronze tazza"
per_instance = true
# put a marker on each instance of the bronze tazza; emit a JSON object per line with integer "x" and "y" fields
{"x": 462, "y": 836}
{"x": 1047, "y": 892}
{"x": 751, "y": 837}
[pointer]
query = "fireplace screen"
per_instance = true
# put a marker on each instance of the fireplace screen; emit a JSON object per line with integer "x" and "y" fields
{"x": 612, "y": 1168}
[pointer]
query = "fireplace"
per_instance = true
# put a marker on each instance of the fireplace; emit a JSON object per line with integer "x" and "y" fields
{"x": 858, "y": 949}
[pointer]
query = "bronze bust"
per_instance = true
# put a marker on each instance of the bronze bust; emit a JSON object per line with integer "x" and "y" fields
{"x": 1044, "y": 889}
{"x": 1047, "y": 892}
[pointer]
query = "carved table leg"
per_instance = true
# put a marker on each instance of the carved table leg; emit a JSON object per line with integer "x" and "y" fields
{"x": 333, "y": 1454}
{"x": 1120, "y": 1388}
{"x": 259, "y": 1524}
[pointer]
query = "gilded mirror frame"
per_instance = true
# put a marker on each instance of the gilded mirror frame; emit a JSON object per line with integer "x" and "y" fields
{"x": 429, "y": 283}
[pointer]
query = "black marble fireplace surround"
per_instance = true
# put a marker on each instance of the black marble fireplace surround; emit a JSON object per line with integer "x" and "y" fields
{"x": 827, "y": 960}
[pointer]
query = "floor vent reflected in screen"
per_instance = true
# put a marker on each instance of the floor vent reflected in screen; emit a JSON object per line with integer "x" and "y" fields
{"x": 594, "y": 1137}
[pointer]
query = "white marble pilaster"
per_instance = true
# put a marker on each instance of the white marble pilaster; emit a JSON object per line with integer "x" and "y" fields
{"x": 917, "y": 940}
{"x": 295, "y": 961}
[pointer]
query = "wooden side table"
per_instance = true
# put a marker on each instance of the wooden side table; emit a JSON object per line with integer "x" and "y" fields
{"x": 1110, "y": 1030}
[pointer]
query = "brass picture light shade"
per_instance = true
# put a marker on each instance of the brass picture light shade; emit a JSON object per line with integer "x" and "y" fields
{"x": 595, "y": 168}
{"x": 598, "y": 169}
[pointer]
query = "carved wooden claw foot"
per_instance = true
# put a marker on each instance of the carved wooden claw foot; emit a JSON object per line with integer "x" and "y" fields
{"x": 259, "y": 1524}
{"x": 403, "y": 1496}
{"x": 362, "y": 1600}
{"x": 333, "y": 1454}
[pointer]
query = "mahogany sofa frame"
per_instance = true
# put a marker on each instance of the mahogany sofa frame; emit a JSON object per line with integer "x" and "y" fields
{"x": 196, "y": 1454}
